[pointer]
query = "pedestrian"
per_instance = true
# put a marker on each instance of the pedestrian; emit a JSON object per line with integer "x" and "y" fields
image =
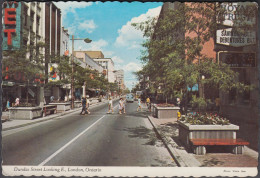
{"x": 121, "y": 105}
{"x": 51, "y": 99}
{"x": 178, "y": 101}
{"x": 83, "y": 103}
{"x": 148, "y": 103}
{"x": 217, "y": 104}
{"x": 110, "y": 105}
{"x": 88, "y": 104}
{"x": 124, "y": 106}
{"x": 17, "y": 101}
{"x": 7, "y": 105}
{"x": 139, "y": 104}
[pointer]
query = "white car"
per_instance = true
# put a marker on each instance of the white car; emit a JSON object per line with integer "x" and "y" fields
{"x": 129, "y": 98}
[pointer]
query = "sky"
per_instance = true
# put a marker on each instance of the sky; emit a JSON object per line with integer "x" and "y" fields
{"x": 108, "y": 25}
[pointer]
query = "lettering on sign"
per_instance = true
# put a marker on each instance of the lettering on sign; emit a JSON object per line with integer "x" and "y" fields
{"x": 237, "y": 59}
{"x": 10, "y": 20}
{"x": 237, "y": 13}
{"x": 233, "y": 38}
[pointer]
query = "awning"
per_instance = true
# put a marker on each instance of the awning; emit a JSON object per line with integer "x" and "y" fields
{"x": 6, "y": 83}
{"x": 194, "y": 88}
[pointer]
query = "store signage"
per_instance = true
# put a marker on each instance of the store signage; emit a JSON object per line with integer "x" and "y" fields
{"x": 237, "y": 13}
{"x": 232, "y": 38}
{"x": 237, "y": 59}
{"x": 11, "y": 25}
{"x": 10, "y": 20}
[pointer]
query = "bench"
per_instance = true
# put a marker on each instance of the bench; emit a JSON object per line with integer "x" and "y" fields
{"x": 199, "y": 148}
{"x": 49, "y": 109}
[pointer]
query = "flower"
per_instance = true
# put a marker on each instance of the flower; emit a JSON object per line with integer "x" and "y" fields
{"x": 204, "y": 119}
{"x": 165, "y": 105}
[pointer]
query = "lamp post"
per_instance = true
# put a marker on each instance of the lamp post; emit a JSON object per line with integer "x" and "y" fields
{"x": 86, "y": 40}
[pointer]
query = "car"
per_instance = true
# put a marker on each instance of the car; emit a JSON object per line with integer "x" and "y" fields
{"x": 129, "y": 98}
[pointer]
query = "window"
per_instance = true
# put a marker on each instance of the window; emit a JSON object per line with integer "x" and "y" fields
{"x": 25, "y": 15}
{"x": 32, "y": 15}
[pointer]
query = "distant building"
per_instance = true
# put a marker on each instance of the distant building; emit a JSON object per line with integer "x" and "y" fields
{"x": 119, "y": 75}
{"x": 108, "y": 68}
{"x": 88, "y": 62}
{"x": 95, "y": 54}
{"x": 64, "y": 49}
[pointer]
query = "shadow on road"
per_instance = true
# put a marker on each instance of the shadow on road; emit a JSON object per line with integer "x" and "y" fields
{"x": 141, "y": 114}
{"x": 144, "y": 133}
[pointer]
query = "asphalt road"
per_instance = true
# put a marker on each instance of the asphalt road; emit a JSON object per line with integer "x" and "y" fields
{"x": 98, "y": 139}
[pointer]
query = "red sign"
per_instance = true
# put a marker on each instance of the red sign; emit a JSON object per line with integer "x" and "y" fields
{"x": 10, "y": 22}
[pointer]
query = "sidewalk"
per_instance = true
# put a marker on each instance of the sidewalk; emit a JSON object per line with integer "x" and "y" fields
{"x": 168, "y": 131}
{"x": 12, "y": 124}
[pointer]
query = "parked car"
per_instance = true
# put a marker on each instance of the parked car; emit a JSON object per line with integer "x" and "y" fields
{"x": 129, "y": 98}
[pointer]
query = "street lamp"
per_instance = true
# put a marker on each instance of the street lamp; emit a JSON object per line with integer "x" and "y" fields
{"x": 86, "y": 40}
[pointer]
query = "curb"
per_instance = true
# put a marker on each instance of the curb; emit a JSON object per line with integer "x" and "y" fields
{"x": 51, "y": 117}
{"x": 182, "y": 158}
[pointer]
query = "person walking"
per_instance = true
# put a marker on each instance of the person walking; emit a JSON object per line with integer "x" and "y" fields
{"x": 110, "y": 106}
{"x": 17, "y": 101}
{"x": 83, "y": 103}
{"x": 148, "y": 103}
{"x": 88, "y": 104}
{"x": 7, "y": 105}
{"x": 121, "y": 105}
{"x": 139, "y": 104}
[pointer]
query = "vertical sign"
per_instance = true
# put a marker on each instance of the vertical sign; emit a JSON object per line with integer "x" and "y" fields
{"x": 11, "y": 25}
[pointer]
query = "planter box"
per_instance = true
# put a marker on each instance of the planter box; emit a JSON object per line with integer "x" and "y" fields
{"x": 25, "y": 113}
{"x": 165, "y": 112}
{"x": 62, "y": 107}
{"x": 77, "y": 104}
{"x": 188, "y": 131}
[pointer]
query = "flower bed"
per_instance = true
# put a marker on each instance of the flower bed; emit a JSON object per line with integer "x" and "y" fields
{"x": 204, "y": 119}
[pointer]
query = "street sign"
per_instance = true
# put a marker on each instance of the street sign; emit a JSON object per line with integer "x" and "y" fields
{"x": 230, "y": 37}
{"x": 238, "y": 59}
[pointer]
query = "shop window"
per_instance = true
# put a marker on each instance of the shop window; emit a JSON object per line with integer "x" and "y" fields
{"x": 244, "y": 77}
{"x": 241, "y": 97}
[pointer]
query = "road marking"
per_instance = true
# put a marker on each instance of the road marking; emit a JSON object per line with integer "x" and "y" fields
{"x": 66, "y": 145}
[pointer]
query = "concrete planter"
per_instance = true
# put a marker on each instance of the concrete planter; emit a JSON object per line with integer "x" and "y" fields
{"x": 188, "y": 131}
{"x": 61, "y": 107}
{"x": 165, "y": 112}
{"x": 25, "y": 113}
{"x": 77, "y": 104}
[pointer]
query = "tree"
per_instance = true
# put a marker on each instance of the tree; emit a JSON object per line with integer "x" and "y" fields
{"x": 26, "y": 63}
{"x": 173, "y": 58}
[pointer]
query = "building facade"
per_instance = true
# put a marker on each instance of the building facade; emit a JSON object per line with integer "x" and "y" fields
{"x": 23, "y": 24}
{"x": 89, "y": 62}
{"x": 119, "y": 75}
{"x": 95, "y": 54}
{"x": 239, "y": 52}
{"x": 108, "y": 68}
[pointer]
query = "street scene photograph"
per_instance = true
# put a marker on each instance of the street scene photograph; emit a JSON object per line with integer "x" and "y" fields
{"x": 130, "y": 88}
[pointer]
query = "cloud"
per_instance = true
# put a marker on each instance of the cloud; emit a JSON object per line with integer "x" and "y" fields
{"x": 117, "y": 59}
{"x": 93, "y": 46}
{"x": 87, "y": 25}
{"x": 70, "y": 6}
{"x": 132, "y": 67}
{"x": 131, "y": 37}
